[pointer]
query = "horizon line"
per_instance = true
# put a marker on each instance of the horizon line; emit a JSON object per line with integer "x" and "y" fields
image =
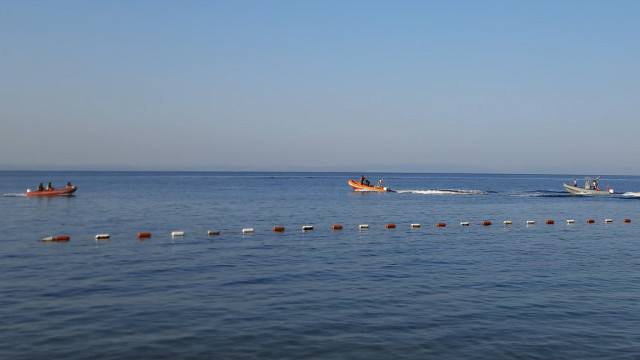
{"x": 299, "y": 171}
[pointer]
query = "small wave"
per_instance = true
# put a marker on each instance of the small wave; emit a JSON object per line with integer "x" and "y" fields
{"x": 443, "y": 192}
{"x": 632, "y": 194}
{"x": 13, "y": 195}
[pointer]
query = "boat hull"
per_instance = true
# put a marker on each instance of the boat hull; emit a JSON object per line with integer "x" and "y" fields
{"x": 359, "y": 187}
{"x": 55, "y": 192}
{"x": 575, "y": 190}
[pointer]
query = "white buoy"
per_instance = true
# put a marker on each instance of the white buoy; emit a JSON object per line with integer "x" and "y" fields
{"x": 177, "y": 233}
{"x": 102, "y": 236}
{"x": 464, "y": 223}
{"x": 307, "y": 227}
{"x": 507, "y": 222}
{"x": 247, "y": 230}
{"x": 530, "y": 222}
{"x": 415, "y": 225}
{"x": 363, "y": 226}
{"x": 608, "y": 220}
{"x": 213, "y": 232}
{"x": 570, "y": 221}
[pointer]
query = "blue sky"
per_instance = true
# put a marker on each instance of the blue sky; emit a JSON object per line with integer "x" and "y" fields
{"x": 424, "y": 86}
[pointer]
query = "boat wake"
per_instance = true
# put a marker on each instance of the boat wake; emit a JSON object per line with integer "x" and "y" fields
{"x": 443, "y": 192}
{"x": 14, "y": 195}
{"x": 543, "y": 193}
{"x": 632, "y": 194}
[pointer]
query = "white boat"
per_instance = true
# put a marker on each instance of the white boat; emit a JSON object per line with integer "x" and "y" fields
{"x": 590, "y": 188}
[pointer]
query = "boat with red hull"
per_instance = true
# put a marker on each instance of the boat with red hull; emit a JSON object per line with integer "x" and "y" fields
{"x": 69, "y": 190}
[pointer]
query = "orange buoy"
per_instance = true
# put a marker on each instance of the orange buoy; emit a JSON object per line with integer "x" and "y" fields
{"x": 627, "y": 220}
{"x": 441, "y": 224}
{"x": 144, "y": 235}
{"x": 550, "y": 222}
{"x": 278, "y": 228}
{"x": 590, "y": 221}
{"x": 336, "y": 227}
{"x": 391, "y": 226}
{"x": 61, "y": 238}
{"x": 486, "y": 223}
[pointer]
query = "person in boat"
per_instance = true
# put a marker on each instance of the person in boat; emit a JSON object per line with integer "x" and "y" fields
{"x": 40, "y": 187}
{"x": 595, "y": 184}
{"x": 69, "y": 184}
{"x": 575, "y": 182}
{"x": 364, "y": 181}
{"x": 49, "y": 187}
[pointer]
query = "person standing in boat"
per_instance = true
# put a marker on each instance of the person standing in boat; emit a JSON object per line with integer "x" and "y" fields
{"x": 575, "y": 182}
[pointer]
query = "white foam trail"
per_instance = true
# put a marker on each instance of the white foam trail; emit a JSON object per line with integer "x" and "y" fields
{"x": 632, "y": 194}
{"x": 527, "y": 195}
{"x": 14, "y": 195}
{"x": 442, "y": 192}
{"x": 539, "y": 194}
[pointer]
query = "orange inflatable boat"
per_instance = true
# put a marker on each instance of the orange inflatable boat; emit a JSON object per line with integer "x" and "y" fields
{"x": 69, "y": 190}
{"x": 359, "y": 187}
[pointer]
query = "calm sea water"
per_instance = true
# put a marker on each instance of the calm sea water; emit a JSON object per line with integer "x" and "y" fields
{"x": 483, "y": 292}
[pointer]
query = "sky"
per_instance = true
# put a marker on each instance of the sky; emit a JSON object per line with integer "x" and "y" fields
{"x": 408, "y": 86}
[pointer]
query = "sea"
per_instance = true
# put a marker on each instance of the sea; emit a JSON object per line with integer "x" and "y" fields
{"x": 528, "y": 289}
